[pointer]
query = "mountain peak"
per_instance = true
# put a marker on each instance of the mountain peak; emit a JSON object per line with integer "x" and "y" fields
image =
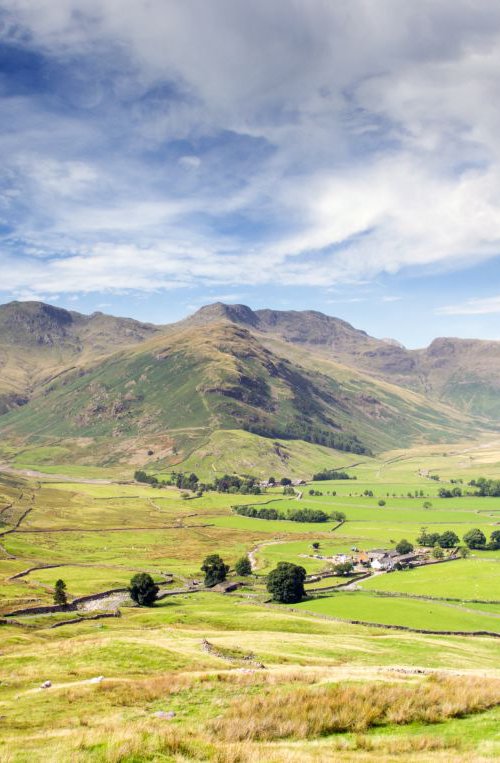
{"x": 221, "y": 311}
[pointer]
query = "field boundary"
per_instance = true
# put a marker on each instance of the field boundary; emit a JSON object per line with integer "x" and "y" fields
{"x": 365, "y": 623}
{"x": 399, "y": 595}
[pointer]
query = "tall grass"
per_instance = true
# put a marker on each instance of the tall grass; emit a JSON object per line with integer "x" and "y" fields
{"x": 130, "y": 693}
{"x": 308, "y": 712}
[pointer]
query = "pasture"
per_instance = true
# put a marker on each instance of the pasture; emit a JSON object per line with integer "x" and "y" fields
{"x": 100, "y": 534}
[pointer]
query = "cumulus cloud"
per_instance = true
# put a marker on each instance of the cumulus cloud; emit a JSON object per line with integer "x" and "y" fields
{"x": 156, "y": 145}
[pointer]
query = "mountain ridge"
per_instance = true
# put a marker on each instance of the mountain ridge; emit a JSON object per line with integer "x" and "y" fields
{"x": 121, "y": 384}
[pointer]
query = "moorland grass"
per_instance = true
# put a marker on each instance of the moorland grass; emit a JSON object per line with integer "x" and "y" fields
{"x": 305, "y": 712}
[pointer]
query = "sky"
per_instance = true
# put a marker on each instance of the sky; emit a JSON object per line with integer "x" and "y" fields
{"x": 336, "y": 155}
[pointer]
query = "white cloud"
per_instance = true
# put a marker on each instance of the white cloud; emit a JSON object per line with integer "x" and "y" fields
{"x": 485, "y": 306}
{"x": 235, "y": 143}
{"x": 191, "y": 162}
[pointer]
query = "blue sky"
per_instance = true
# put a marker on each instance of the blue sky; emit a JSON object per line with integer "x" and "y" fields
{"x": 340, "y": 156}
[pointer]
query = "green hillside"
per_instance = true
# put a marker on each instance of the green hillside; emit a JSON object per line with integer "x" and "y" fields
{"x": 163, "y": 398}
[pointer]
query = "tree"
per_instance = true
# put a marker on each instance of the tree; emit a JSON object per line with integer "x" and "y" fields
{"x": 215, "y": 570}
{"x": 343, "y": 568}
{"x": 427, "y": 539}
{"x": 427, "y": 505}
{"x": 494, "y": 543}
{"x": 286, "y": 583}
{"x": 285, "y": 481}
{"x": 448, "y": 539}
{"x": 315, "y": 545}
{"x": 143, "y": 589}
{"x": 438, "y": 553}
{"x": 475, "y": 538}
{"x": 60, "y": 593}
{"x": 404, "y": 546}
{"x": 463, "y": 551}
{"x": 381, "y": 502}
{"x": 243, "y": 566}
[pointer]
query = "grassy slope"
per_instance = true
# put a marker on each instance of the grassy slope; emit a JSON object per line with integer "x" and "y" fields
{"x": 175, "y": 392}
{"x": 144, "y": 653}
{"x": 228, "y": 451}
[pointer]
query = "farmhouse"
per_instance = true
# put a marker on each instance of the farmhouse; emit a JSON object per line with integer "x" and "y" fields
{"x": 385, "y": 559}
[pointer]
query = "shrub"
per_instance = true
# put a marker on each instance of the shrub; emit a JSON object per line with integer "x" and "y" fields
{"x": 343, "y": 568}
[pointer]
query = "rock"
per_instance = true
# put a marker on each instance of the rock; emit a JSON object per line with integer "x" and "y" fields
{"x": 164, "y": 715}
{"x": 46, "y": 685}
{"x": 96, "y": 680}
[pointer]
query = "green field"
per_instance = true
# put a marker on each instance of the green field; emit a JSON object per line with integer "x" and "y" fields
{"x": 152, "y": 660}
{"x": 462, "y": 579}
{"x": 413, "y": 613}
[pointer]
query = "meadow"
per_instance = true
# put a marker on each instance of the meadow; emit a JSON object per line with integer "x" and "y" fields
{"x": 155, "y": 660}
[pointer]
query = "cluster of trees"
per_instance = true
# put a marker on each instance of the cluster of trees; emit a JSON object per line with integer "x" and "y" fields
{"x": 308, "y": 515}
{"x": 454, "y": 492}
{"x": 486, "y": 487}
{"x": 473, "y": 539}
{"x": 228, "y": 483}
{"x": 476, "y": 539}
{"x": 185, "y": 481}
{"x": 295, "y": 515}
{"x": 141, "y": 476}
{"x": 310, "y": 433}
{"x": 231, "y": 483}
{"x": 447, "y": 539}
{"x": 331, "y": 474}
{"x": 263, "y": 513}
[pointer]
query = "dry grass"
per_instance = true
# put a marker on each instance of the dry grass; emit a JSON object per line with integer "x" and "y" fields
{"x": 309, "y": 712}
{"x": 131, "y": 693}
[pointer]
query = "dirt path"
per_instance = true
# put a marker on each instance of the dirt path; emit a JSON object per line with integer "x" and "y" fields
{"x": 257, "y": 548}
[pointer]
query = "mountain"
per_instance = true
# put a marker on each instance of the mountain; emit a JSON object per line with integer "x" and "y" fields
{"x": 461, "y": 372}
{"x": 38, "y": 342}
{"x": 98, "y": 389}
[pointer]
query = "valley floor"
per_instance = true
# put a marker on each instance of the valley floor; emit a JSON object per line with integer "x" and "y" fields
{"x": 206, "y": 676}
